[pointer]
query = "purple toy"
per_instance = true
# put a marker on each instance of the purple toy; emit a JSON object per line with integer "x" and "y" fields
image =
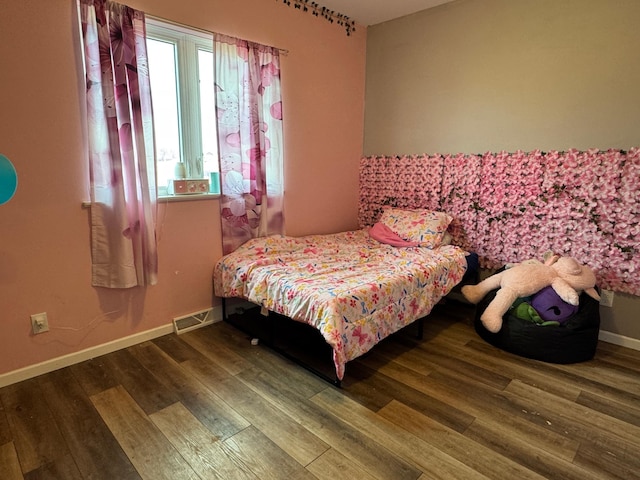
{"x": 551, "y": 307}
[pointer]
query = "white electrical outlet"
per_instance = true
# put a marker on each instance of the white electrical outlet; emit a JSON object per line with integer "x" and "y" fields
{"x": 39, "y": 323}
{"x": 606, "y": 298}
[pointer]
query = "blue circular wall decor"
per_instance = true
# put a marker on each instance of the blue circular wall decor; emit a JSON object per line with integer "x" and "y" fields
{"x": 8, "y": 180}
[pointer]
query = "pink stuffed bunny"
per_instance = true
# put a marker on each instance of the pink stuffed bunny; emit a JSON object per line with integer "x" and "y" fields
{"x": 566, "y": 276}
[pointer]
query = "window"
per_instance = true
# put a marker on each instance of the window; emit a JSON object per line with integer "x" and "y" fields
{"x": 182, "y": 91}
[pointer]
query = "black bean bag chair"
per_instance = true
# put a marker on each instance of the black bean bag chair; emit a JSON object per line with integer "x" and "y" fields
{"x": 573, "y": 341}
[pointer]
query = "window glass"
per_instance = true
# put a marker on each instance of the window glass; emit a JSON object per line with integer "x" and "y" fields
{"x": 164, "y": 91}
{"x": 182, "y": 92}
{"x": 207, "y": 112}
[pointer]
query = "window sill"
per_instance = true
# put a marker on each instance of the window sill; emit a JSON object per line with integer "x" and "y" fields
{"x": 187, "y": 197}
{"x": 175, "y": 198}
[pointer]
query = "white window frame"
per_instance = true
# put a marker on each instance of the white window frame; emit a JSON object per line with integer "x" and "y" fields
{"x": 187, "y": 42}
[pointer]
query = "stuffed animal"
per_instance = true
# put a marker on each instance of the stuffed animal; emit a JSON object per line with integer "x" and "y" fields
{"x": 566, "y": 276}
{"x": 551, "y": 307}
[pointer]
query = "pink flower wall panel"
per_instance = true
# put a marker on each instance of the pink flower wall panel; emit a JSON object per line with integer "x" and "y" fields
{"x": 460, "y": 196}
{"x": 510, "y": 207}
{"x": 399, "y": 181}
{"x": 627, "y": 226}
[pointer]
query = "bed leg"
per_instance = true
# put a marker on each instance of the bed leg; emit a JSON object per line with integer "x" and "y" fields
{"x": 224, "y": 309}
{"x": 420, "y": 328}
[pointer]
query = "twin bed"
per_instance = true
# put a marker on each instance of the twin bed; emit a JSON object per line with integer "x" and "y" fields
{"x": 357, "y": 287}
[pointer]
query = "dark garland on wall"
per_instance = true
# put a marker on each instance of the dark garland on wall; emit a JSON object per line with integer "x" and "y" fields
{"x": 319, "y": 11}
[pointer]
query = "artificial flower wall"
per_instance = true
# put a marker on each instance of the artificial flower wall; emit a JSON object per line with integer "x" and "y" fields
{"x": 510, "y": 207}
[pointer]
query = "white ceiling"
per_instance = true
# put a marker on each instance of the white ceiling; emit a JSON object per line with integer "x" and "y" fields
{"x": 372, "y": 12}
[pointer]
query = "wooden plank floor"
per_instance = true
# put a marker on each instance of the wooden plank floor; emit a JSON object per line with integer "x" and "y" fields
{"x": 208, "y": 404}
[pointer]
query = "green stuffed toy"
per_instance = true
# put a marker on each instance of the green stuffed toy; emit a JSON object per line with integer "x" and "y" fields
{"x": 524, "y": 311}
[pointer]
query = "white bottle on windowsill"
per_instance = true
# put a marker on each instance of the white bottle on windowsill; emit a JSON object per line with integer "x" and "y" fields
{"x": 179, "y": 171}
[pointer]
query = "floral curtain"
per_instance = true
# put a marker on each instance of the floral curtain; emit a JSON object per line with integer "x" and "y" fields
{"x": 249, "y": 108}
{"x": 121, "y": 153}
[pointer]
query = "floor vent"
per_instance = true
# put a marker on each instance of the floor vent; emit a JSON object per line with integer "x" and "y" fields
{"x": 192, "y": 321}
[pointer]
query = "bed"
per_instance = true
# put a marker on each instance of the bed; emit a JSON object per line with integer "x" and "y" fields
{"x": 357, "y": 287}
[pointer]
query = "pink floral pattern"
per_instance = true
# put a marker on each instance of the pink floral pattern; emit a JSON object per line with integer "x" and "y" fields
{"x": 509, "y": 207}
{"x": 249, "y": 112}
{"x": 425, "y": 227}
{"x": 121, "y": 151}
{"x": 353, "y": 289}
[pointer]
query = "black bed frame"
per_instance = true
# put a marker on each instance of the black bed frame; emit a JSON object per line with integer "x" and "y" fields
{"x": 271, "y": 327}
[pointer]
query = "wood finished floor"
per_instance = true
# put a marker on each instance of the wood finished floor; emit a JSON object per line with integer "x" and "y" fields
{"x": 207, "y": 404}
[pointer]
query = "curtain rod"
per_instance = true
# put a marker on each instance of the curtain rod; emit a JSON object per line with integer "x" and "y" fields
{"x": 283, "y": 51}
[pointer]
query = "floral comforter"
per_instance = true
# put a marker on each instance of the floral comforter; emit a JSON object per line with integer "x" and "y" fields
{"x": 355, "y": 290}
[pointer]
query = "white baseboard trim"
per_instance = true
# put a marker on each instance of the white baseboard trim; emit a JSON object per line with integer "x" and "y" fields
{"x": 93, "y": 352}
{"x": 617, "y": 339}
{"x": 47, "y": 366}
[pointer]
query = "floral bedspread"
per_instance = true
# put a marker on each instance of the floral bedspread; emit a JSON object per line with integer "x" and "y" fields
{"x": 355, "y": 290}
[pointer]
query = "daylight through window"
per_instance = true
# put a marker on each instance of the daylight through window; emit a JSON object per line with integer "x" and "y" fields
{"x": 182, "y": 91}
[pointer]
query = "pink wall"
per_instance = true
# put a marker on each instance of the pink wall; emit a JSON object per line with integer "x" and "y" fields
{"x": 44, "y": 240}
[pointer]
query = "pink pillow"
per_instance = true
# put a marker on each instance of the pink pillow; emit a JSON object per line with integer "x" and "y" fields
{"x": 423, "y": 226}
{"x": 384, "y": 234}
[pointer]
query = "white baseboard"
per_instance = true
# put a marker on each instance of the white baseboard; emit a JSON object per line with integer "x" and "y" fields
{"x": 617, "y": 339}
{"x": 93, "y": 352}
{"x": 89, "y": 353}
